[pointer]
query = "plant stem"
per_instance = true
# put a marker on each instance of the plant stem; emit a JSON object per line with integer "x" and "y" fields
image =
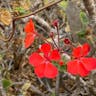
{"x": 54, "y": 42}
{"x": 48, "y": 85}
{"x": 57, "y": 85}
{"x": 58, "y": 36}
{"x": 42, "y": 37}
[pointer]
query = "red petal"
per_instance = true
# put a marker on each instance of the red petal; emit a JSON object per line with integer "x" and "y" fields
{"x": 89, "y": 63}
{"x": 45, "y": 48}
{"x": 35, "y": 59}
{"x": 55, "y": 55}
{"x": 29, "y": 27}
{"x": 72, "y": 67}
{"x": 39, "y": 71}
{"x": 29, "y": 39}
{"x": 82, "y": 71}
{"x": 50, "y": 71}
{"x": 85, "y": 49}
{"x": 77, "y": 52}
{"x": 76, "y": 68}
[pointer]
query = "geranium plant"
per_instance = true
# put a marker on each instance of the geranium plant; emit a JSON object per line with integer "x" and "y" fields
{"x": 42, "y": 61}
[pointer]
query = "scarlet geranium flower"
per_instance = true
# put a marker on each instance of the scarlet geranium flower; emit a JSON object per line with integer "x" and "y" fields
{"x": 81, "y": 65}
{"x": 30, "y": 33}
{"x": 42, "y": 64}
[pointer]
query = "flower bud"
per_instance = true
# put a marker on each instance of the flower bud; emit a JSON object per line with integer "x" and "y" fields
{"x": 61, "y": 63}
{"x": 51, "y": 34}
{"x": 55, "y": 23}
{"x": 67, "y": 41}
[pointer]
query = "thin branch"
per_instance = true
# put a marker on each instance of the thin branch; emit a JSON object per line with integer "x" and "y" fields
{"x": 54, "y": 43}
{"x": 57, "y": 85}
{"x": 39, "y": 10}
{"x": 58, "y": 36}
{"x": 2, "y": 27}
{"x": 48, "y": 85}
{"x": 19, "y": 17}
{"x": 36, "y": 90}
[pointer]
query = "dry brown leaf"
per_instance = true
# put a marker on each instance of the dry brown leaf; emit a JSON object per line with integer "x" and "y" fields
{"x": 25, "y": 87}
{"x": 67, "y": 28}
{"x": 5, "y": 16}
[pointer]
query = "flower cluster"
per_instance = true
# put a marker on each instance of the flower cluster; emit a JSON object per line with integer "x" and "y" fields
{"x": 42, "y": 62}
{"x": 42, "y": 59}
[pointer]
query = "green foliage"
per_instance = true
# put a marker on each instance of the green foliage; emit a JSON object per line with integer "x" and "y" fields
{"x": 61, "y": 68}
{"x": 84, "y": 18}
{"x": 6, "y": 83}
{"x": 20, "y": 10}
{"x": 47, "y": 1}
{"x": 63, "y": 4}
{"x": 53, "y": 94}
{"x": 82, "y": 33}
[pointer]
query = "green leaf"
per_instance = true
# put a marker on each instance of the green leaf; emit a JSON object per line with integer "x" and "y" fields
{"x": 84, "y": 18}
{"x": 63, "y": 68}
{"x": 82, "y": 33}
{"x": 47, "y": 1}
{"x": 63, "y": 4}
{"x": 6, "y": 83}
{"x": 53, "y": 94}
{"x": 20, "y": 10}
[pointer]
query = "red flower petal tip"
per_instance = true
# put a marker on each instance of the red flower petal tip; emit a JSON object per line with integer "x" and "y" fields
{"x": 81, "y": 50}
{"x": 29, "y": 27}
{"x": 55, "y": 55}
{"x": 29, "y": 39}
{"x": 45, "y": 48}
{"x": 85, "y": 49}
{"x": 35, "y": 59}
{"x": 77, "y": 52}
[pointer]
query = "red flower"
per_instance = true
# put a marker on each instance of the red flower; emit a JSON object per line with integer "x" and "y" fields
{"x": 30, "y": 33}
{"x": 42, "y": 62}
{"x": 81, "y": 65}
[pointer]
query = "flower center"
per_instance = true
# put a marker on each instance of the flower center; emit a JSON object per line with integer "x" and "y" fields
{"x": 47, "y": 58}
